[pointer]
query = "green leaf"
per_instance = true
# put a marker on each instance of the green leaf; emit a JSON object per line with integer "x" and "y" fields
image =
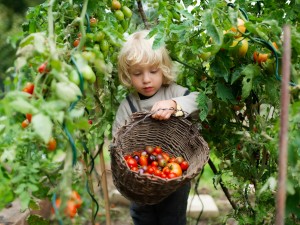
{"x": 250, "y": 71}
{"x": 219, "y": 69}
{"x": 68, "y": 92}
{"x": 233, "y": 15}
{"x": 32, "y": 187}
{"x": 23, "y": 106}
{"x": 42, "y": 125}
{"x": 25, "y": 199}
{"x": 37, "y": 220}
{"x": 175, "y": 28}
{"x": 224, "y": 92}
{"x": 159, "y": 40}
{"x": 211, "y": 28}
{"x": 235, "y": 76}
{"x": 54, "y": 105}
{"x": 34, "y": 205}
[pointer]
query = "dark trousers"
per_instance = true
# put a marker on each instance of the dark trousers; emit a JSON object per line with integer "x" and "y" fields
{"x": 170, "y": 211}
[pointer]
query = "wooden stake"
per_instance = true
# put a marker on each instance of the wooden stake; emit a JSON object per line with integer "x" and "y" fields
{"x": 104, "y": 185}
{"x": 283, "y": 144}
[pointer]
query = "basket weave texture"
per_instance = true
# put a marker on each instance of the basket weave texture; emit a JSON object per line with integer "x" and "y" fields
{"x": 176, "y": 136}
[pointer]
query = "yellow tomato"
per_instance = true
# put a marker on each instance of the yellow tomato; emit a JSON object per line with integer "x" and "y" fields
{"x": 243, "y": 46}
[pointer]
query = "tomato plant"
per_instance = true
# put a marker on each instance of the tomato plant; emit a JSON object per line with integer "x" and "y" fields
{"x": 239, "y": 92}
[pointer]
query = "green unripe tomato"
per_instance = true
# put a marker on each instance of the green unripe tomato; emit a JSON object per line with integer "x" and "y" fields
{"x": 127, "y": 12}
{"x": 88, "y": 74}
{"x": 89, "y": 56}
{"x": 99, "y": 36}
{"x": 74, "y": 77}
{"x": 90, "y": 36}
{"x": 104, "y": 45}
{"x": 119, "y": 15}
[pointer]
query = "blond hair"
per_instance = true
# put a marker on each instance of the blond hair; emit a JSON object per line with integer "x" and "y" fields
{"x": 138, "y": 50}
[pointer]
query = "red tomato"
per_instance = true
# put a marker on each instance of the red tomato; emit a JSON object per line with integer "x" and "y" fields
{"x": 71, "y": 209}
{"x": 150, "y": 170}
{"x": 173, "y": 159}
{"x": 154, "y": 163}
{"x": 184, "y": 165}
{"x": 175, "y": 168}
{"x": 25, "y": 123}
{"x": 157, "y": 172}
{"x": 127, "y": 157}
{"x": 90, "y": 122}
{"x": 51, "y": 144}
{"x": 29, "y": 88}
{"x": 158, "y": 149}
{"x": 43, "y": 68}
{"x": 131, "y": 162}
{"x": 76, "y": 198}
{"x": 172, "y": 175}
{"x": 166, "y": 170}
{"x": 134, "y": 168}
{"x": 143, "y": 160}
{"x": 163, "y": 175}
{"x": 76, "y": 42}
{"x": 28, "y": 117}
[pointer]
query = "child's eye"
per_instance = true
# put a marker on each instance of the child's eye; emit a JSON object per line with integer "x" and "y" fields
{"x": 154, "y": 71}
{"x": 136, "y": 73}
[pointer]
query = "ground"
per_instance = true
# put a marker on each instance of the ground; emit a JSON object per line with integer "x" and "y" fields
{"x": 119, "y": 210}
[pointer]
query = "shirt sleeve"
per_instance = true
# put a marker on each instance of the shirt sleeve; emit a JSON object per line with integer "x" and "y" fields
{"x": 188, "y": 103}
{"x": 123, "y": 114}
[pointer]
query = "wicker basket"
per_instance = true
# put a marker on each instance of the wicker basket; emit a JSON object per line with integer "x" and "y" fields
{"x": 176, "y": 136}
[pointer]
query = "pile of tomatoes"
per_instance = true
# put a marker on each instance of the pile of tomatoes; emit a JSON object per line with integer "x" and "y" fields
{"x": 154, "y": 161}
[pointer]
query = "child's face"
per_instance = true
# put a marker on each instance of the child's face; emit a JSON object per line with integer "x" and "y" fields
{"x": 146, "y": 79}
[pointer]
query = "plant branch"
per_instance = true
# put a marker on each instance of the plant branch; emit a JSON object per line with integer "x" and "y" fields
{"x": 142, "y": 13}
{"x": 225, "y": 190}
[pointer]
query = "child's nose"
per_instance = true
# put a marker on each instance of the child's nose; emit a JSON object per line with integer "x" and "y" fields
{"x": 146, "y": 78}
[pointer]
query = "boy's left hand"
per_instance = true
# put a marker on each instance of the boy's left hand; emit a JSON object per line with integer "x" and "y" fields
{"x": 163, "y": 109}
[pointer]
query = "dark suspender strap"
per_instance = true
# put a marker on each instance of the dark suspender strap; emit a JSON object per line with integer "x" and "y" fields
{"x": 132, "y": 107}
{"x": 187, "y": 92}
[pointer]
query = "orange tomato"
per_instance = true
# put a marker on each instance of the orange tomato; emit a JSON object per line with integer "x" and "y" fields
{"x": 25, "y": 123}
{"x": 240, "y": 28}
{"x": 115, "y": 5}
{"x": 52, "y": 144}
{"x": 175, "y": 168}
{"x": 76, "y": 198}
{"x": 260, "y": 57}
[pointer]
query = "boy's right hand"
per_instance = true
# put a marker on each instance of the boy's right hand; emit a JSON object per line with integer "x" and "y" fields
{"x": 163, "y": 109}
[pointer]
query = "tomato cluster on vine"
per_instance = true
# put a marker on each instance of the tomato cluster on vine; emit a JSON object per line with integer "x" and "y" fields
{"x": 73, "y": 204}
{"x": 155, "y": 161}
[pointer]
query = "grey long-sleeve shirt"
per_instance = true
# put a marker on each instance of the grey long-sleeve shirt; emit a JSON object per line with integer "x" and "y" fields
{"x": 173, "y": 91}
